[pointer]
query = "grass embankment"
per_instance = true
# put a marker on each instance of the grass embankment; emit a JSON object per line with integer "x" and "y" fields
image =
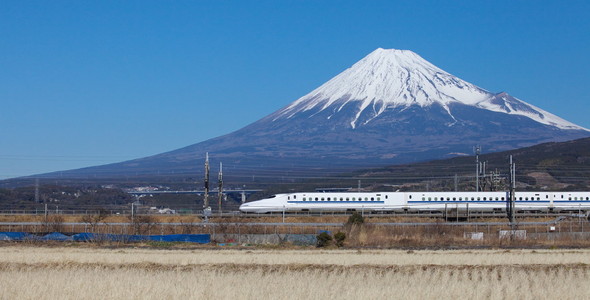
{"x": 258, "y": 219}
{"x": 437, "y": 234}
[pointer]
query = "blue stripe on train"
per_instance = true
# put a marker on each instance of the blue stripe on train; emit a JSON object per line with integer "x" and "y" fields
{"x": 336, "y": 202}
{"x": 481, "y": 201}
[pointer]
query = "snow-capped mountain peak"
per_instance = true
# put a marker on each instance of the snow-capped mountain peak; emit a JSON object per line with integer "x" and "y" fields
{"x": 388, "y": 79}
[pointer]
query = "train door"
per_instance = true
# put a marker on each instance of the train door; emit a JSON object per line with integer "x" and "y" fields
{"x": 407, "y": 197}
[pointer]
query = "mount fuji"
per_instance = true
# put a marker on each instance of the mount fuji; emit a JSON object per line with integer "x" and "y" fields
{"x": 390, "y": 107}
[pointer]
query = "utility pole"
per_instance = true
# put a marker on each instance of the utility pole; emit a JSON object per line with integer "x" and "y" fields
{"x": 36, "y": 190}
{"x": 206, "y": 193}
{"x": 477, "y": 151}
{"x": 220, "y": 194}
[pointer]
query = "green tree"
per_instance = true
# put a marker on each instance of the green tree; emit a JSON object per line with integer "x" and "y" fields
{"x": 324, "y": 239}
{"x": 356, "y": 219}
{"x": 339, "y": 238}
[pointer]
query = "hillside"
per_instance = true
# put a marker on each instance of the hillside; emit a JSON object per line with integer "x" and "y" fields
{"x": 548, "y": 166}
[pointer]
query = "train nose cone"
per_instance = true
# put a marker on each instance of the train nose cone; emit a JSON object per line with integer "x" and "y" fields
{"x": 245, "y": 207}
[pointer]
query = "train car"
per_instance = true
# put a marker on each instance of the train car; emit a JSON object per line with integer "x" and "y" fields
{"x": 419, "y": 202}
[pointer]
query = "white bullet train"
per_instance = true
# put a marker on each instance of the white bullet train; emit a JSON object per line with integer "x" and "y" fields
{"x": 420, "y": 202}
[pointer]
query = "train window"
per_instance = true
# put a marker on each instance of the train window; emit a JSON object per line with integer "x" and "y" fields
{"x": 526, "y": 198}
{"x": 561, "y": 196}
{"x": 316, "y": 198}
{"x": 385, "y": 196}
{"x": 303, "y": 198}
{"x": 496, "y": 198}
{"x": 429, "y": 199}
{"x": 372, "y": 199}
{"x": 485, "y": 198}
{"x": 378, "y": 198}
{"x": 569, "y": 198}
{"x": 460, "y": 198}
{"x": 410, "y": 196}
{"x": 538, "y": 198}
{"x": 478, "y": 198}
{"x": 366, "y": 199}
{"x": 454, "y": 199}
{"x": 502, "y": 198}
{"x": 288, "y": 197}
{"x": 587, "y": 198}
{"x": 348, "y": 199}
{"x": 423, "y": 198}
{"x": 520, "y": 198}
{"x": 294, "y": 196}
{"x": 576, "y": 198}
{"x": 328, "y": 198}
{"x": 472, "y": 198}
{"x": 323, "y": 198}
{"x": 546, "y": 196}
{"x": 448, "y": 199}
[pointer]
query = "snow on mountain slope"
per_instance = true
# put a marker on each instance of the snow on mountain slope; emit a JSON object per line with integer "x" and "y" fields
{"x": 388, "y": 79}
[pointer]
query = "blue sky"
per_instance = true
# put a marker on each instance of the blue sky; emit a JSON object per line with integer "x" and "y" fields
{"x": 85, "y": 83}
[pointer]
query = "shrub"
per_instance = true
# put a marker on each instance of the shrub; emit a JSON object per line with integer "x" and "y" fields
{"x": 324, "y": 239}
{"x": 339, "y": 238}
{"x": 356, "y": 219}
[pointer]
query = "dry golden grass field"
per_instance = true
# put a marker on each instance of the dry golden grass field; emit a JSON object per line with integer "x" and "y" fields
{"x": 84, "y": 272}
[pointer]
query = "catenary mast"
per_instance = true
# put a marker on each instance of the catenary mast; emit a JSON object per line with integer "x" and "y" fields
{"x": 206, "y": 193}
{"x": 220, "y": 191}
